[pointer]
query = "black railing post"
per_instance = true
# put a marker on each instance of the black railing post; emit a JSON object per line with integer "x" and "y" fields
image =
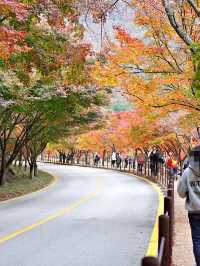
{"x": 170, "y": 193}
{"x": 168, "y": 207}
{"x": 145, "y": 168}
{"x": 150, "y": 261}
{"x": 148, "y": 168}
{"x": 164, "y": 232}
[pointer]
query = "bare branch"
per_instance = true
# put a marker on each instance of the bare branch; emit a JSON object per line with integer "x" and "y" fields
{"x": 111, "y": 6}
{"x": 177, "y": 27}
{"x": 194, "y": 6}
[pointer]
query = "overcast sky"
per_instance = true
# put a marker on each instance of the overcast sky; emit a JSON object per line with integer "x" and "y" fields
{"x": 123, "y": 15}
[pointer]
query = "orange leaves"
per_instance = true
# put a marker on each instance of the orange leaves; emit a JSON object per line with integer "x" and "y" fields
{"x": 8, "y": 8}
{"x": 126, "y": 40}
{"x": 139, "y": 129}
{"x": 117, "y": 132}
{"x": 11, "y": 41}
{"x": 95, "y": 141}
{"x": 101, "y": 77}
{"x": 155, "y": 69}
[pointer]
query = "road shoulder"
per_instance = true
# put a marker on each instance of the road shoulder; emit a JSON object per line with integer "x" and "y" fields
{"x": 25, "y": 187}
{"x": 182, "y": 249}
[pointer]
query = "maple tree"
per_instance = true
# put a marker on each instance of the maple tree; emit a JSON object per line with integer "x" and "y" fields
{"x": 135, "y": 130}
{"x": 117, "y": 132}
{"x": 99, "y": 10}
{"x": 44, "y": 121}
{"x": 45, "y": 81}
{"x": 156, "y": 70}
{"x": 45, "y": 88}
{"x": 46, "y": 55}
{"x": 12, "y": 40}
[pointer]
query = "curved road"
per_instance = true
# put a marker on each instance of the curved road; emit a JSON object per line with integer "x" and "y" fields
{"x": 91, "y": 217}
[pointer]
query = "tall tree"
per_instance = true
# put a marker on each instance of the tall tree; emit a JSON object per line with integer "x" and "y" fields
{"x": 44, "y": 79}
{"x": 158, "y": 69}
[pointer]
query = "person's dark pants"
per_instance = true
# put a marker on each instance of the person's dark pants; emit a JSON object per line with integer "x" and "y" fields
{"x": 156, "y": 168}
{"x": 153, "y": 169}
{"x": 194, "y": 220}
{"x": 140, "y": 166}
{"x": 113, "y": 163}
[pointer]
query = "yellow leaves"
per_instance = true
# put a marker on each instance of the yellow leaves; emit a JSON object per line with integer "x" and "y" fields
{"x": 4, "y": 52}
{"x": 101, "y": 77}
{"x": 155, "y": 71}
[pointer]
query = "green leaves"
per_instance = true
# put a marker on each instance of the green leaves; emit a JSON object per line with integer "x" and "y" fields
{"x": 2, "y": 63}
{"x": 196, "y": 60}
{"x": 5, "y": 92}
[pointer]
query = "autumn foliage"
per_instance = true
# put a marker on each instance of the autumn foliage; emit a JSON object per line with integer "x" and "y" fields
{"x": 49, "y": 92}
{"x": 45, "y": 86}
{"x": 159, "y": 73}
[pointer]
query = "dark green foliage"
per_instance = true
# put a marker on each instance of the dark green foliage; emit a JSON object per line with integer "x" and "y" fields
{"x": 196, "y": 82}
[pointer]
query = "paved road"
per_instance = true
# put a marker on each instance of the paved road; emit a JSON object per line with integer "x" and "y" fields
{"x": 91, "y": 217}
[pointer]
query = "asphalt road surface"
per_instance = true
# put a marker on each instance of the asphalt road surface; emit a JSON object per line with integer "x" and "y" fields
{"x": 90, "y": 217}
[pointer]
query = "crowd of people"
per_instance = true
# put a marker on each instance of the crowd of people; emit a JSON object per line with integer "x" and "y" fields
{"x": 66, "y": 157}
{"x": 140, "y": 161}
{"x": 188, "y": 186}
{"x": 155, "y": 159}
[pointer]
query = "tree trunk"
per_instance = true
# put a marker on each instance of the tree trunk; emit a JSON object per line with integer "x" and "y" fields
{"x": 35, "y": 169}
{"x": 86, "y": 157}
{"x": 103, "y": 158}
{"x": 31, "y": 171}
{"x": 2, "y": 176}
{"x": 2, "y": 169}
{"x": 25, "y": 165}
{"x": 20, "y": 160}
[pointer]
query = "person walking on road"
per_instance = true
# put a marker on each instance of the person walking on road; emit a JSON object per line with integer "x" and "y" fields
{"x": 169, "y": 164}
{"x": 154, "y": 159}
{"x": 189, "y": 188}
{"x": 126, "y": 161}
{"x": 118, "y": 160}
{"x": 174, "y": 168}
{"x": 96, "y": 159}
{"x": 113, "y": 159}
{"x": 141, "y": 162}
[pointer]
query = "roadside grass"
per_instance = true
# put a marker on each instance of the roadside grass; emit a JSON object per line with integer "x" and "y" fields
{"x": 20, "y": 184}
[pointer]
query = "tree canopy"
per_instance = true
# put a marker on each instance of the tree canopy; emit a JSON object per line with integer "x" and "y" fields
{"x": 51, "y": 93}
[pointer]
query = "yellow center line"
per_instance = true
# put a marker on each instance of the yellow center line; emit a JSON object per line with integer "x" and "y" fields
{"x": 153, "y": 244}
{"x": 56, "y": 215}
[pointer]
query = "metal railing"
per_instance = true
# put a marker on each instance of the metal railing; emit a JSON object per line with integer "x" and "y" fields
{"x": 163, "y": 178}
{"x": 165, "y": 231}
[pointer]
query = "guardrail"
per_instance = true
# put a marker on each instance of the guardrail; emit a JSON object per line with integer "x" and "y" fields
{"x": 165, "y": 232}
{"x": 164, "y": 179}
